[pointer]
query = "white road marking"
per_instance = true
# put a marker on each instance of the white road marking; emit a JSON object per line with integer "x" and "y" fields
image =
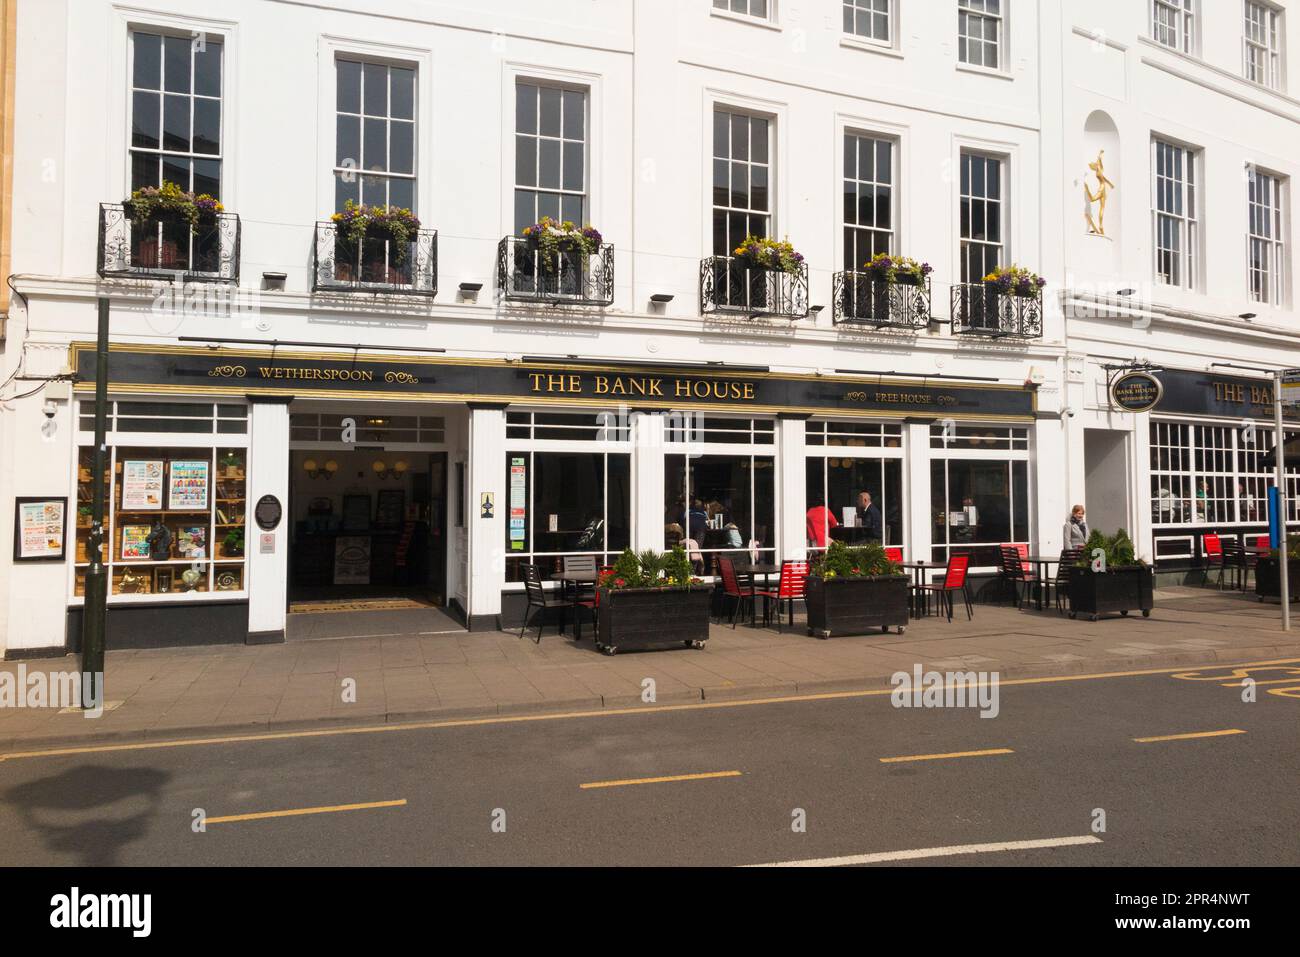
{"x": 922, "y": 852}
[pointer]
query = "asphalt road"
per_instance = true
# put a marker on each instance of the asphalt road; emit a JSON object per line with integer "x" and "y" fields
{"x": 1224, "y": 800}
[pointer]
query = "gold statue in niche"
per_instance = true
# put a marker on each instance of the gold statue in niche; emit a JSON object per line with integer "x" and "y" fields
{"x": 1097, "y": 226}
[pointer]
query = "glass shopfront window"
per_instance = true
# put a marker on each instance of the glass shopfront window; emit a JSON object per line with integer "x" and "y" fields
{"x": 175, "y": 502}
{"x": 721, "y": 503}
{"x": 846, "y": 459}
{"x": 1205, "y": 474}
{"x": 979, "y": 500}
{"x": 565, "y": 501}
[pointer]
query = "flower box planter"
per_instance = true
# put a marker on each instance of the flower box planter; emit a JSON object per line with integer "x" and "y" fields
{"x": 1268, "y": 581}
{"x": 855, "y": 606}
{"x": 1119, "y": 590}
{"x": 643, "y": 618}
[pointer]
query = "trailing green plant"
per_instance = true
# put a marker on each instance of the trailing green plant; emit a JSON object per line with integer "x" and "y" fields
{"x": 552, "y": 238}
{"x": 234, "y": 541}
{"x": 770, "y": 254}
{"x": 1015, "y": 281}
{"x": 857, "y": 561}
{"x": 650, "y": 569}
{"x": 357, "y": 223}
{"x": 150, "y": 203}
{"x": 1117, "y": 549}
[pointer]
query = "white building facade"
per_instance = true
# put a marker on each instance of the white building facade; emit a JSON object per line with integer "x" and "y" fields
{"x": 296, "y": 415}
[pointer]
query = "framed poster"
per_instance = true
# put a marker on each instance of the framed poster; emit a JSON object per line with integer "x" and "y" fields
{"x": 40, "y": 529}
{"x": 192, "y": 541}
{"x": 142, "y": 485}
{"x": 187, "y": 491}
{"x": 135, "y": 542}
{"x": 352, "y": 560}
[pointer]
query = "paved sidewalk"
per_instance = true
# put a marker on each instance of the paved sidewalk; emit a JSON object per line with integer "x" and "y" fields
{"x": 184, "y": 692}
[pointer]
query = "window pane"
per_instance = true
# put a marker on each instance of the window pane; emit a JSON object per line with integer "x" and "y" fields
{"x": 375, "y": 148}
{"x": 145, "y": 120}
{"x": 525, "y": 108}
{"x": 347, "y": 150}
{"x": 349, "y": 86}
{"x": 401, "y": 157}
{"x": 144, "y": 171}
{"x": 147, "y": 70}
{"x": 207, "y": 68}
{"x": 176, "y": 64}
{"x": 549, "y": 166}
{"x": 573, "y": 166}
{"x": 401, "y": 193}
{"x": 574, "y": 114}
{"x": 207, "y": 177}
{"x": 525, "y": 161}
{"x": 550, "y": 112}
{"x": 345, "y": 190}
{"x": 375, "y": 89}
{"x": 403, "y": 93}
{"x": 207, "y": 126}
{"x": 176, "y": 123}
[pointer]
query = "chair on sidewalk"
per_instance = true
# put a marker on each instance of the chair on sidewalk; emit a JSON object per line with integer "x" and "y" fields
{"x": 738, "y": 586}
{"x": 1069, "y": 556}
{"x": 580, "y": 593}
{"x": 1234, "y": 557}
{"x": 791, "y": 588}
{"x": 1213, "y": 556}
{"x": 538, "y": 600}
{"x": 1252, "y": 559}
{"x": 954, "y": 579}
{"x": 1015, "y": 571}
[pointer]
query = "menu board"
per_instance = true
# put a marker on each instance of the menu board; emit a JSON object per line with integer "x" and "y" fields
{"x": 352, "y": 560}
{"x": 142, "y": 485}
{"x": 40, "y": 525}
{"x": 135, "y": 542}
{"x": 188, "y": 489}
{"x": 518, "y": 503}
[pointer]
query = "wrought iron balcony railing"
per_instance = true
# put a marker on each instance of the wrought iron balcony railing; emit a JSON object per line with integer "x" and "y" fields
{"x": 863, "y": 300}
{"x": 167, "y": 247}
{"x": 730, "y": 285}
{"x": 525, "y": 274}
{"x": 978, "y": 309}
{"x": 375, "y": 265}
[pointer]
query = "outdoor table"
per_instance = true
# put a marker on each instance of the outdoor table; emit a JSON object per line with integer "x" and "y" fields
{"x": 579, "y": 579}
{"x": 1040, "y": 563}
{"x": 918, "y": 579}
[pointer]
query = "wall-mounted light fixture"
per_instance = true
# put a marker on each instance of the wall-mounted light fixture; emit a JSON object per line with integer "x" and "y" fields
{"x": 469, "y": 291}
{"x": 1125, "y": 292}
{"x": 382, "y": 470}
{"x": 316, "y": 471}
{"x": 1247, "y": 316}
{"x": 274, "y": 281}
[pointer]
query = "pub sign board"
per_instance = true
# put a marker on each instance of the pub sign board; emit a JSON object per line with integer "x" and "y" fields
{"x": 1135, "y": 392}
{"x": 186, "y": 370}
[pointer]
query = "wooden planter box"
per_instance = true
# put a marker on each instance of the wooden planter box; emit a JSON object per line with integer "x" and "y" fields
{"x": 855, "y": 606}
{"x": 1268, "y": 583}
{"x": 1121, "y": 590}
{"x": 643, "y": 618}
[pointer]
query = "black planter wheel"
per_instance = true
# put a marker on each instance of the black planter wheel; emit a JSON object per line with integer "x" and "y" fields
{"x": 1095, "y": 618}
{"x": 1146, "y": 612}
{"x": 1124, "y": 612}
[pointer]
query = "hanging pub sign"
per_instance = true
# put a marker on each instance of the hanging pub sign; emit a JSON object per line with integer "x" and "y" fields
{"x": 1135, "y": 392}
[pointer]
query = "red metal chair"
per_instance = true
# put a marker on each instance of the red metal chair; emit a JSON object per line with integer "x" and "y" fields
{"x": 954, "y": 579}
{"x": 791, "y": 588}
{"x": 1213, "y": 556}
{"x": 1252, "y": 559}
{"x": 738, "y": 587}
{"x": 894, "y": 554}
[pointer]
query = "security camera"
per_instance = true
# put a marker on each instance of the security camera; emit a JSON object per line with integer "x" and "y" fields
{"x": 49, "y": 408}
{"x": 1068, "y": 413}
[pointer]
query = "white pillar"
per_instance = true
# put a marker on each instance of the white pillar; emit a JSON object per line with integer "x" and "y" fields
{"x": 268, "y": 474}
{"x": 487, "y": 474}
{"x": 791, "y": 489}
{"x": 648, "y": 506}
{"x": 1051, "y": 482}
{"x": 916, "y": 481}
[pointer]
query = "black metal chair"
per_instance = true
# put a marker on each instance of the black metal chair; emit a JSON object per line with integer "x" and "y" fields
{"x": 1234, "y": 559}
{"x": 538, "y": 600}
{"x": 1062, "y": 580}
{"x": 1022, "y": 582}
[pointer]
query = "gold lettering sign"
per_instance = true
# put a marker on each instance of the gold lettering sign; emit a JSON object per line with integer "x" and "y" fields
{"x": 643, "y": 386}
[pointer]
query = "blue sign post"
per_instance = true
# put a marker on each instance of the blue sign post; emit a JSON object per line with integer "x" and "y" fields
{"x": 1274, "y": 517}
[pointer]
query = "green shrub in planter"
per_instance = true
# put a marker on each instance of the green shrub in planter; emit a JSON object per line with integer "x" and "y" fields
{"x": 853, "y": 590}
{"x": 1110, "y": 578}
{"x": 651, "y": 600}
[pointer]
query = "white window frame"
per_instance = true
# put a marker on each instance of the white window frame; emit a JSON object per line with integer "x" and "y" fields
{"x": 979, "y": 9}
{"x": 1187, "y": 219}
{"x": 1272, "y": 242}
{"x": 895, "y": 202}
{"x": 770, "y": 213}
{"x": 878, "y": 453}
{"x": 1182, "y": 25}
{"x": 1261, "y": 36}
{"x": 1007, "y": 455}
{"x": 727, "y": 10}
{"x": 584, "y": 194}
{"x": 210, "y": 442}
{"x": 1003, "y": 205}
{"x": 360, "y": 170}
{"x": 870, "y": 8}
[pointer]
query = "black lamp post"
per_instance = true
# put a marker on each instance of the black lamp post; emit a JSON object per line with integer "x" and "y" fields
{"x": 94, "y": 619}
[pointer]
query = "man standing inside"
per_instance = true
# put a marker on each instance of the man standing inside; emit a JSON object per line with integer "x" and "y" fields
{"x": 869, "y": 517}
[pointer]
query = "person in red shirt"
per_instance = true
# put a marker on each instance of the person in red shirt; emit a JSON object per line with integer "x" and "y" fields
{"x": 820, "y": 521}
